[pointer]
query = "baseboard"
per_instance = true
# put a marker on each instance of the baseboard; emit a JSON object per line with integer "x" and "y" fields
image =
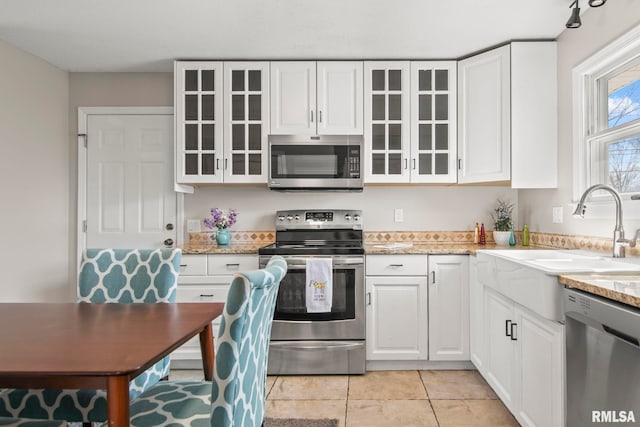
{"x": 403, "y": 365}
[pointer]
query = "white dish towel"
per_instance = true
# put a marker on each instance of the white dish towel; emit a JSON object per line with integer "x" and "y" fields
{"x": 319, "y": 289}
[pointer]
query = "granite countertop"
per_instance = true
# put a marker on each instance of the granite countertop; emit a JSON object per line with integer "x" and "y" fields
{"x": 373, "y": 248}
{"x": 444, "y": 248}
{"x": 617, "y": 287}
{"x": 233, "y": 248}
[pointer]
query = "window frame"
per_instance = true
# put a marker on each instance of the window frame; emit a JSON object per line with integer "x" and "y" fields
{"x": 588, "y": 114}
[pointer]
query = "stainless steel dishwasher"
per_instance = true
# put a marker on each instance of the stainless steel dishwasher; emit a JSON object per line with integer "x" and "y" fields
{"x": 603, "y": 361}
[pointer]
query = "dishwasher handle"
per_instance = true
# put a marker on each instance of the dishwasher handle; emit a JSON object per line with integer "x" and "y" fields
{"x": 621, "y": 335}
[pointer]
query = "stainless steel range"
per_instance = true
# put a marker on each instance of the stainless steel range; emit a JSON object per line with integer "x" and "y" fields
{"x": 328, "y": 341}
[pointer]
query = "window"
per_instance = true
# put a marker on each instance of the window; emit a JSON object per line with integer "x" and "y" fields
{"x": 607, "y": 123}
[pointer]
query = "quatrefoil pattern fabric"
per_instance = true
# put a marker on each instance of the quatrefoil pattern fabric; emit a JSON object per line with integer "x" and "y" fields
{"x": 236, "y": 396}
{"x": 106, "y": 276}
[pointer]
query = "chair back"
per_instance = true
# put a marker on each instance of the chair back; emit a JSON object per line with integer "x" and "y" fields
{"x": 129, "y": 275}
{"x": 238, "y": 389}
{"x": 132, "y": 276}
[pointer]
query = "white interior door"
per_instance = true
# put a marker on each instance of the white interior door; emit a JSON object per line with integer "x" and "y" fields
{"x": 130, "y": 201}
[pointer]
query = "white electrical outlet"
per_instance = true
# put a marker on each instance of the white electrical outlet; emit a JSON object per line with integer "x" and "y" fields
{"x": 557, "y": 214}
{"x": 193, "y": 225}
{"x": 398, "y": 215}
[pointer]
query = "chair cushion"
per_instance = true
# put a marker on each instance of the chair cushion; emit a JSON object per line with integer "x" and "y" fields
{"x": 24, "y": 422}
{"x": 70, "y": 405}
{"x": 180, "y": 403}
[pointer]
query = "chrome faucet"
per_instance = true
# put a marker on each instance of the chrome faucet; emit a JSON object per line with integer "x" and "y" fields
{"x": 619, "y": 242}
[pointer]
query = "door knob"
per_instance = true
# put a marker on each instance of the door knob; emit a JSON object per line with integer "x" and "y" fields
{"x": 169, "y": 226}
{"x": 168, "y": 242}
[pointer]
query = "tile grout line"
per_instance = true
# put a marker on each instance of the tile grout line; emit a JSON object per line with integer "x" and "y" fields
{"x": 429, "y": 399}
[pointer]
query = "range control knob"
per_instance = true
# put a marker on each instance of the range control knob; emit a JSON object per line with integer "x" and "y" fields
{"x": 281, "y": 218}
{"x": 297, "y": 217}
{"x": 289, "y": 217}
{"x": 356, "y": 217}
{"x": 347, "y": 217}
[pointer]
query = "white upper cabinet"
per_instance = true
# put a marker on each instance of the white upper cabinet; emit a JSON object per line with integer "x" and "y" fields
{"x": 221, "y": 122}
{"x": 387, "y": 117}
{"x": 410, "y": 122}
{"x": 323, "y": 98}
{"x": 534, "y": 115}
{"x": 483, "y": 117}
{"x": 246, "y": 121}
{"x": 433, "y": 122}
{"x": 507, "y": 116}
{"x": 198, "y": 117}
{"x": 339, "y": 98}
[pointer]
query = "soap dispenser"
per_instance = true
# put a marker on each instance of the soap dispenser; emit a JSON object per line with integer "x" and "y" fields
{"x": 512, "y": 238}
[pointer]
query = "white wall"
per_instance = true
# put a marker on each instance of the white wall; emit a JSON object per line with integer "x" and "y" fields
{"x": 34, "y": 177}
{"x": 425, "y": 207}
{"x": 600, "y": 26}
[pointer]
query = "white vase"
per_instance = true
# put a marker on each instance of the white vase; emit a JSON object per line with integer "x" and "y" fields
{"x": 501, "y": 237}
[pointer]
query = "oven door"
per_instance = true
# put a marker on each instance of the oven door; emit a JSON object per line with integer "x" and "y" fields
{"x": 291, "y": 321}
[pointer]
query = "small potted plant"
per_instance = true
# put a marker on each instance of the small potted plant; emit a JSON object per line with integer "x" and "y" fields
{"x": 503, "y": 222}
{"x": 221, "y": 220}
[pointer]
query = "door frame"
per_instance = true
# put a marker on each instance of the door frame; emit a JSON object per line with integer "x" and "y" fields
{"x": 83, "y": 118}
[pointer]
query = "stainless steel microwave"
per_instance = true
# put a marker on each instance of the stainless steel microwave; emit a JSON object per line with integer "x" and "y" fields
{"x": 322, "y": 162}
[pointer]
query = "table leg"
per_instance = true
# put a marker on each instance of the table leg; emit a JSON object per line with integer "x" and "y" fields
{"x": 118, "y": 401}
{"x": 206, "y": 348}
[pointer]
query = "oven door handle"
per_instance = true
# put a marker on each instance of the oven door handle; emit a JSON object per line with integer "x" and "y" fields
{"x": 315, "y": 345}
{"x": 337, "y": 262}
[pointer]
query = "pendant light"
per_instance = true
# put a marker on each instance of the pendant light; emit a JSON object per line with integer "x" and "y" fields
{"x": 597, "y": 3}
{"x": 574, "y": 20}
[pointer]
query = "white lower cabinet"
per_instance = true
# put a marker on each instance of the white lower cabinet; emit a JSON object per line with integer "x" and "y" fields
{"x": 524, "y": 359}
{"x": 417, "y": 307}
{"x": 476, "y": 317}
{"x": 397, "y": 318}
{"x": 449, "y": 307}
{"x": 206, "y": 278}
{"x": 397, "y": 303}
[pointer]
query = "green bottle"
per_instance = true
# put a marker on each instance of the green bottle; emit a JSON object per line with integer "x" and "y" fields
{"x": 525, "y": 235}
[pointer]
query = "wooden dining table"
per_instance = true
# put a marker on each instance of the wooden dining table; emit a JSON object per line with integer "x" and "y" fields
{"x": 97, "y": 346}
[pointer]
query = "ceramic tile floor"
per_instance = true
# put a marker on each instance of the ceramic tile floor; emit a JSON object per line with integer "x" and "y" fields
{"x": 386, "y": 398}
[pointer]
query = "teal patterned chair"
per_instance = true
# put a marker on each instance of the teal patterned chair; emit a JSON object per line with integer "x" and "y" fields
{"x": 106, "y": 276}
{"x": 24, "y": 422}
{"x": 236, "y": 396}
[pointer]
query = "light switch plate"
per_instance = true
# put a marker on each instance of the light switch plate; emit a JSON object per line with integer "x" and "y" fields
{"x": 557, "y": 214}
{"x": 193, "y": 225}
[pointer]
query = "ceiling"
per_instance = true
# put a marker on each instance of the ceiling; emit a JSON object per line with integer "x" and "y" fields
{"x": 147, "y": 35}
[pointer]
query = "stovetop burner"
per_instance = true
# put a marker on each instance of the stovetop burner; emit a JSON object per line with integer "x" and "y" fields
{"x": 328, "y": 232}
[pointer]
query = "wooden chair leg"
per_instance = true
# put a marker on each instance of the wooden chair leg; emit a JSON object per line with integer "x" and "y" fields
{"x": 86, "y": 424}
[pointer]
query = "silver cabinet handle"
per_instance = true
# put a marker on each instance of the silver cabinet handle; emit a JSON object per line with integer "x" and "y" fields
{"x": 206, "y": 295}
{"x": 396, "y": 265}
{"x": 311, "y": 116}
{"x": 459, "y": 164}
{"x": 320, "y": 116}
{"x": 183, "y": 265}
{"x": 514, "y": 329}
{"x": 368, "y": 298}
{"x": 233, "y": 266}
{"x": 217, "y": 164}
{"x": 406, "y": 164}
{"x": 413, "y": 162}
{"x": 226, "y": 161}
{"x": 433, "y": 277}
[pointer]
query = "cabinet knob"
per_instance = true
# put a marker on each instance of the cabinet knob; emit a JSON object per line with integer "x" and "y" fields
{"x": 168, "y": 242}
{"x": 169, "y": 227}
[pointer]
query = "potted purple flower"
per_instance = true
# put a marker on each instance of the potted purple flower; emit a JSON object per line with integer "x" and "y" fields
{"x": 221, "y": 220}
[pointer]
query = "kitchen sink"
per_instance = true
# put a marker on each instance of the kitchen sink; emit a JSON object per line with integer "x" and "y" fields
{"x": 563, "y": 261}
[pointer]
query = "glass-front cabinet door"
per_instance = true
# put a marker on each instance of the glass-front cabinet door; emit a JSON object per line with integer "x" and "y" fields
{"x": 198, "y": 121}
{"x": 386, "y": 122}
{"x": 433, "y": 122}
{"x": 246, "y": 119}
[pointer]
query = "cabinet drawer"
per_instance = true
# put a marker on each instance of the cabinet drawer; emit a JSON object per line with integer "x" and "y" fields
{"x": 396, "y": 265}
{"x": 193, "y": 265}
{"x": 203, "y": 293}
{"x": 230, "y": 264}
